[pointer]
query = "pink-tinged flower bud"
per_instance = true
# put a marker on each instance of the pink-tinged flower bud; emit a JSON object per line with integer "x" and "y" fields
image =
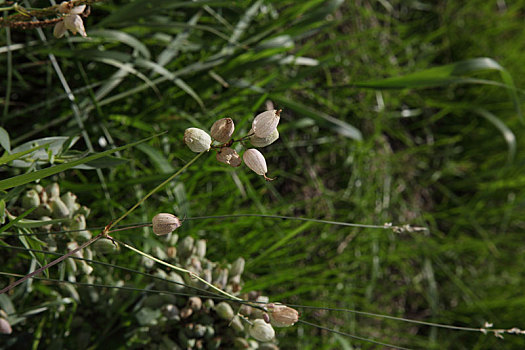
{"x": 265, "y": 123}
{"x": 261, "y": 330}
{"x": 74, "y": 24}
{"x": 229, "y": 156}
{"x": 282, "y": 315}
{"x": 264, "y": 141}
{"x": 5, "y": 327}
{"x": 197, "y": 140}
{"x": 164, "y": 223}
{"x": 255, "y": 161}
{"x": 222, "y": 130}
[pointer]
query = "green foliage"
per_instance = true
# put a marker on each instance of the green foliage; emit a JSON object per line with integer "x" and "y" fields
{"x": 393, "y": 111}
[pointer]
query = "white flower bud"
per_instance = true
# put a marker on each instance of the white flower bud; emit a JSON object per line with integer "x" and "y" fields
{"x": 65, "y": 7}
{"x": 282, "y": 315}
{"x": 228, "y": 156}
{"x": 255, "y": 161}
{"x": 265, "y": 123}
{"x": 59, "y": 209}
{"x": 222, "y": 130}
{"x": 237, "y": 266}
{"x": 74, "y": 24}
{"x": 261, "y": 330}
{"x": 164, "y": 223}
{"x": 264, "y": 141}
{"x": 224, "y": 310}
{"x": 5, "y": 327}
{"x": 197, "y": 140}
{"x": 30, "y": 200}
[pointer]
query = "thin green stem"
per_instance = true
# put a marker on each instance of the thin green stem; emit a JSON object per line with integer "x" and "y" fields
{"x": 191, "y": 274}
{"x": 153, "y": 191}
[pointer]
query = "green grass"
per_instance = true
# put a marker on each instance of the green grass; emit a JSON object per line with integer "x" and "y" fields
{"x": 379, "y": 130}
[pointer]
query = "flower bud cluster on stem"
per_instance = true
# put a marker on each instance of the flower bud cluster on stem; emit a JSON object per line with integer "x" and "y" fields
{"x": 263, "y": 133}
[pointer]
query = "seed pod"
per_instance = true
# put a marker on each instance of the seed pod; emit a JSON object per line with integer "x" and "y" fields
{"x": 224, "y": 310}
{"x": 164, "y": 223}
{"x": 105, "y": 245}
{"x": 53, "y": 190}
{"x": 236, "y": 324}
{"x": 186, "y": 247}
{"x": 43, "y": 210}
{"x": 265, "y": 123}
{"x": 195, "y": 303}
{"x": 262, "y": 331}
{"x": 30, "y": 199}
{"x": 197, "y": 140}
{"x": 228, "y": 156}
{"x": 237, "y": 266}
{"x": 79, "y": 223}
{"x": 200, "y": 248}
{"x": 170, "y": 311}
{"x": 69, "y": 200}
{"x": 222, "y": 130}
{"x": 282, "y": 315}
{"x": 178, "y": 282}
{"x": 264, "y": 141}
{"x": 240, "y": 343}
{"x": 58, "y": 208}
{"x": 186, "y": 312}
{"x": 5, "y": 327}
{"x": 255, "y": 161}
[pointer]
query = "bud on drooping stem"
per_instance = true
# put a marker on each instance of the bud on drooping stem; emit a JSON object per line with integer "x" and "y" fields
{"x": 261, "y": 330}
{"x": 264, "y": 141}
{"x": 197, "y": 140}
{"x": 282, "y": 315}
{"x": 265, "y": 123}
{"x": 222, "y": 130}
{"x": 164, "y": 223}
{"x": 255, "y": 161}
{"x": 228, "y": 156}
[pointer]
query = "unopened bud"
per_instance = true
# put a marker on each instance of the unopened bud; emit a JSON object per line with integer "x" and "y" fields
{"x": 105, "y": 245}
{"x": 53, "y": 190}
{"x": 200, "y": 248}
{"x": 264, "y": 141}
{"x": 282, "y": 315}
{"x": 186, "y": 247}
{"x": 5, "y": 327}
{"x": 255, "y": 161}
{"x": 224, "y": 310}
{"x": 197, "y": 140}
{"x": 237, "y": 266}
{"x": 69, "y": 200}
{"x": 228, "y": 156}
{"x": 262, "y": 331}
{"x": 195, "y": 303}
{"x": 222, "y": 130}
{"x": 58, "y": 208}
{"x": 265, "y": 123}
{"x": 30, "y": 200}
{"x": 164, "y": 223}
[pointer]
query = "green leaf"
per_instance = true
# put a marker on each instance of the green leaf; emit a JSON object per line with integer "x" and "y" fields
{"x": 157, "y": 159}
{"x": 4, "y": 140}
{"x": 2, "y": 211}
{"x": 337, "y": 125}
{"x": 454, "y": 73}
{"x": 104, "y": 162}
{"x": 14, "y": 220}
{"x": 122, "y": 37}
{"x": 26, "y": 178}
{"x": 508, "y": 135}
{"x": 53, "y": 147}
{"x": 9, "y": 157}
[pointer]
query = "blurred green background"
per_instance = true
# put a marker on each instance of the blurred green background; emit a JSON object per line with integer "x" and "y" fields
{"x": 372, "y": 131}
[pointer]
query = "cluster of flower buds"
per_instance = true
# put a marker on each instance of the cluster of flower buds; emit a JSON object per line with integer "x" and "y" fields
{"x": 192, "y": 322}
{"x": 53, "y": 212}
{"x": 263, "y": 133}
{"x": 71, "y": 20}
